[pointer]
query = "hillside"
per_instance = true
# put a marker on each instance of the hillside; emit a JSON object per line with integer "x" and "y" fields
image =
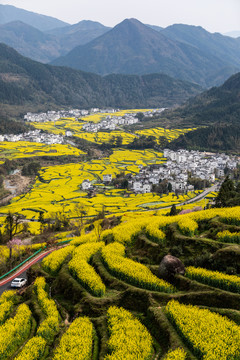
{"x": 10, "y": 13}
{"x": 25, "y": 83}
{"x": 134, "y": 48}
{"x": 217, "y": 105}
{"x": 213, "y": 138}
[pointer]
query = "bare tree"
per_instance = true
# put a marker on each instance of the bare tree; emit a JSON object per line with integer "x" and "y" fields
{"x": 81, "y": 211}
{"x": 14, "y": 225}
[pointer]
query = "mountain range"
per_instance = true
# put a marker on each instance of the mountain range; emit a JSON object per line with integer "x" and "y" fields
{"x": 181, "y": 51}
{"x": 26, "y": 84}
{"x": 134, "y": 48}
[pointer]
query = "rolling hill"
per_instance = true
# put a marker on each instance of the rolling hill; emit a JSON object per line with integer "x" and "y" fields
{"x": 134, "y": 48}
{"x": 26, "y": 84}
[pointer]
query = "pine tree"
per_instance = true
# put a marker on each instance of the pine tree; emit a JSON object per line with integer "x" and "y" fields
{"x": 225, "y": 193}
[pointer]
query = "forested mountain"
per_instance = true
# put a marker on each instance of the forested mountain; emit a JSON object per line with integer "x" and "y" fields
{"x": 24, "y": 82}
{"x": 9, "y": 13}
{"x": 30, "y": 41}
{"x": 213, "y": 138}
{"x": 134, "y": 48}
{"x": 219, "y": 104}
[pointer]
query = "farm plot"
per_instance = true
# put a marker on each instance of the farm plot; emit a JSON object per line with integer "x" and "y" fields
{"x": 170, "y": 134}
{"x": 24, "y": 149}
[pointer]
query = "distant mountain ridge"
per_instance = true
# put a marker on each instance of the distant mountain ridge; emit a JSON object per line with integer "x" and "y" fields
{"x": 181, "y": 51}
{"x": 134, "y": 48}
{"x": 46, "y": 46}
{"x": 30, "y": 41}
{"x": 216, "y": 43}
{"x": 26, "y": 84}
{"x": 9, "y": 13}
{"x": 78, "y": 34}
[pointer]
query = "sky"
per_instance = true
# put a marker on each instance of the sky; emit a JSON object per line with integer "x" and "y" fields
{"x": 213, "y": 15}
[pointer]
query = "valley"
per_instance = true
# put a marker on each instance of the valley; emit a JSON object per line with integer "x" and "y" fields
{"x": 119, "y": 181}
{"x": 107, "y": 240}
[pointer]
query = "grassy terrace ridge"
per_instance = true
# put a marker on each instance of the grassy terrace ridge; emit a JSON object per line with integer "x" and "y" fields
{"x": 154, "y": 313}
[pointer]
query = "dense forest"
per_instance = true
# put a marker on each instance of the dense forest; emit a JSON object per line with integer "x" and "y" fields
{"x": 13, "y": 127}
{"x": 213, "y": 138}
{"x": 25, "y": 83}
{"x": 229, "y": 194}
{"x": 219, "y": 104}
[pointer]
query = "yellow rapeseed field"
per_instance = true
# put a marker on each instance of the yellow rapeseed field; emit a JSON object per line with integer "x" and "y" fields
{"x": 211, "y": 336}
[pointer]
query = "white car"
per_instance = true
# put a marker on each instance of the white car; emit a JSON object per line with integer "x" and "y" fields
{"x": 18, "y": 282}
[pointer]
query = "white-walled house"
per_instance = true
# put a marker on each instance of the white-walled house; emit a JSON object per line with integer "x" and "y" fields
{"x": 86, "y": 184}
{"x": 146, "y": 188}
{"x": 107, "y": 178}
{"x": 137, "y": 186}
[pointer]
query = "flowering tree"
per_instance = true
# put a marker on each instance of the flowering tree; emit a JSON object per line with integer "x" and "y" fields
{"x": 12, "y": 244}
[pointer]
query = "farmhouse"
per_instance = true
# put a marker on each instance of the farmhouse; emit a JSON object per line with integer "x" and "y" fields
{"x": 107, "y": 178}
{"x": 86, "y": 185}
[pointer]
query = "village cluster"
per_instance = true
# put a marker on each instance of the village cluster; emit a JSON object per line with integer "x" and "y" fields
{"x": 56, "y": 115}
{"x": 176, "y": 170}
{"x": 35, "y": 136}
{"x": 111, "y": 122}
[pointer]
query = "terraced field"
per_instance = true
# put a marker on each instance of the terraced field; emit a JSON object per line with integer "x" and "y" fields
{"x": 24, "y": 149}
{"x": 109, "y": 301}
{"x": 170, "y": 134}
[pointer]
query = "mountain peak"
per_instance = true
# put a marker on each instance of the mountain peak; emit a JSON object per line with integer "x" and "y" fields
{"x": 130, "y": 22}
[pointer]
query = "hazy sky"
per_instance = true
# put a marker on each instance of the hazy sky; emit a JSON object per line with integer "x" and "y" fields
{"x": 213, "y": 15}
